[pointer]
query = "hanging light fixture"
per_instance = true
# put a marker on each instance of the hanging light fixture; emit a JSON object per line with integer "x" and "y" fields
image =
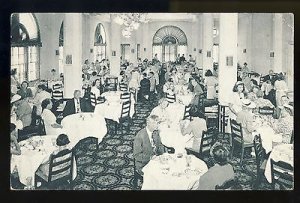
{"x": 131, "y": 21}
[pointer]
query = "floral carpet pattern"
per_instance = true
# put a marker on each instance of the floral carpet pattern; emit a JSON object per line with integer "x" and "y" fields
{"x": 110, "y": 167}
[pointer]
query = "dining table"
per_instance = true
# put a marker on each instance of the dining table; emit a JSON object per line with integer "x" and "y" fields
{"x": 85, "y": 124}
{"x": 35, "y": 151}
{"x": 112, "y": 107}
{"x": 282, "y": 152}
{"x": 173, "y": 172}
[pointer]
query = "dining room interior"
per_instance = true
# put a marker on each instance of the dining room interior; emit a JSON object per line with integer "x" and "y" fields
{"x": 152, "y": 101}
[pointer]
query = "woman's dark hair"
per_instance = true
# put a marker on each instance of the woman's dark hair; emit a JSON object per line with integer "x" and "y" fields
{"x": 122, "y": 72}
{"x": 26, "y": 83}
{"x": 12, "y": 127}
{"x": 236, "y": 85}
{"x": 94, "y": 82}
{"x": 45, "y": 103}
{"x": 94, "y": 73}
{"x": 208, "y": 73}
{"x": 62, "y": 140}
{"x": 13, "y": 71}
{"x": 53, "y": 70}
{"x": 145, "y": 74}
{"x": 220, "y": 155}
{"x": 280, "y": 76}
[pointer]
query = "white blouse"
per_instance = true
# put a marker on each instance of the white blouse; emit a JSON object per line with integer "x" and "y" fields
{"x": 49, "y": 119}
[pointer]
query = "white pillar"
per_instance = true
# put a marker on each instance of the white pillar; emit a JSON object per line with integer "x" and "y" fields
{"x": 72, "y": 54}
{"x": 115, "y": 47}
{"x": 207, "y": 41}
{"x": 227, "y": 51}
{"x": 277, "y": 42}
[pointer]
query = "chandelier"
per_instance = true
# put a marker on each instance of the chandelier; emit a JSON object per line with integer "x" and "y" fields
{"x": 130, "y": 21}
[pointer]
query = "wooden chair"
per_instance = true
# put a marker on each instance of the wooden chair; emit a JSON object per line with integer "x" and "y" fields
{"x": 125, "y": 117}
{"x": 229, "y": 185}
{"x": 94, "y": 139}
{"x": 211, "y": 115}
{"x": 261, "y": 161}
{"x": 207, "y": 141}
{"x": 125, "y": 96}
{"x": 237, "y": 138}
{"x": 282, "y": 175}
{"x": 60, "y": 170}
{"x": 37, "y": 127}
{"x": 111, "y": 84}
{"x": 186, "y": 114}
{"x": 266, "y": 110}
{"x": 93, "y": 99}
{"x": 171, "y": 98}
{"x": 56, "y": 86}
{"x": 123, "y": 87}
{"x": 223, "y": 119}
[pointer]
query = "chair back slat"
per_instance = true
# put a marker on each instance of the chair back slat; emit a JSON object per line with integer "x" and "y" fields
{"x": 56, "y": 86}
{"x": 61, "y": 165}
{"x": 94, "y": 101}
{"x": 123, "y": 87}
{"x": 236, "y": 131}
{"x": 260, "y": 152}
{"x": 111, "y": 84}
{"x": 187, "y": 112}
{"x": 282, "y": 174}
{"x": 57, "y": 95}
{"x": 266, "y": 110}
{"x": 206, "y": 142}
{"x": 125, "y": 96}
{"x": 171, "y": 98}
{"x": 125, "y": 109}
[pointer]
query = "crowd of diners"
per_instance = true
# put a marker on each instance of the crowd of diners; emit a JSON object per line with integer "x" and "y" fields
{"x": 152, "y": 79}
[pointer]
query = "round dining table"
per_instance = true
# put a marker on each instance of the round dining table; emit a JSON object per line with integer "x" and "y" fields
{"x": 112, "y": 107}
{"x": 173, "y": 172}
{"x": 81, "y": 125}
{"x": 35, "y": 151}
{"x": 282, "y": 152}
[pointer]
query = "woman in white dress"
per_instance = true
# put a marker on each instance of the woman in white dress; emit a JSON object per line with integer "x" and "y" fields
{"x": 135, "y": 79}
{"x": 235, "y": 105}
{"x": 96, "y": 88}
{"x": 211, "y": 83}
{"x": 52, "y": 128}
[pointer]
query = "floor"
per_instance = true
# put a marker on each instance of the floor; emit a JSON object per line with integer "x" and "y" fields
{"x": 111, "y": 166}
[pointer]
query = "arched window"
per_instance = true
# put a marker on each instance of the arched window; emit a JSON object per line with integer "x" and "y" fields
{"x": 25, "y": 46}
{"x": 99, "y": 43}
{"x": 169, "y": 41}
{"x": 61, "y": 49}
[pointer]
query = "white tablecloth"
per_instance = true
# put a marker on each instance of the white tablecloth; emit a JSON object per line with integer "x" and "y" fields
{"x": 81, "y": 125}
{"x": 30, "y": 159}
{"x": 184, "y": 99}
{"x": 175, "y": 112}
{"x": 172, "y": 137}
{"x": 174, "y": 174}
{"x": 112, "y": 107}
{"x": 283, "y": 152}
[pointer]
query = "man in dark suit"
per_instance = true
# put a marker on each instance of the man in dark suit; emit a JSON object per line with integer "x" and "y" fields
{"x": 145, "y": 88}
{"x": 271, "y": 77}
{"x": 147, "y": 143}
{"x": 75, "y": 105}
{"x": 181, "y": 59}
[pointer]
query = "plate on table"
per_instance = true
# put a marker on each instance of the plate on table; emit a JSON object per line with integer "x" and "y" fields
{"x": 192, "y": 172}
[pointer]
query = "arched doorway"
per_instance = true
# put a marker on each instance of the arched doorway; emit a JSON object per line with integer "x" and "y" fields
{"x": 168, "y": 42}
{"x": 100, "y": 43}
{"x": 25, "y": 46}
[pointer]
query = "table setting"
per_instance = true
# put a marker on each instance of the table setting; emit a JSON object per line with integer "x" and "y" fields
{"x": 35, "y": 151}
{"x": 81, "y": 125}
{"x": 173, "y": 172}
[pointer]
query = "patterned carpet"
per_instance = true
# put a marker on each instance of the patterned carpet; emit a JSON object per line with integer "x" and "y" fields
{"x": 111, "y": 166}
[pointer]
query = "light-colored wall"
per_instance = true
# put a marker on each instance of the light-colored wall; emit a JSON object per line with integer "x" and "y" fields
{"x": 49, "y": 25}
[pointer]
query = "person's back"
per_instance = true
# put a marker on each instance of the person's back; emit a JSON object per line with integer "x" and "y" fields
{"x": 23, "y": 111}
{"x": 216, "y": 175}
{"x": 245, "y": 118}
{"x": 145, "y": 85}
